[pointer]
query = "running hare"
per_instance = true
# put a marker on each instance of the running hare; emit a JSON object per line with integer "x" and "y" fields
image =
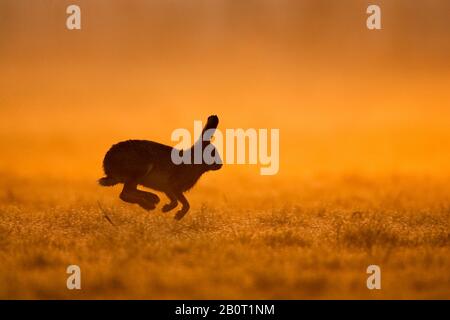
{"x": 148, "y": 163}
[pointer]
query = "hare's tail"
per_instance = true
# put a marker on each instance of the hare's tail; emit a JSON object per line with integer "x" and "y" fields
{"x": 107, "y": 181}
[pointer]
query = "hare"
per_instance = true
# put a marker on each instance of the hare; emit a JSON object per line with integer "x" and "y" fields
{"x": 148, "y": 163}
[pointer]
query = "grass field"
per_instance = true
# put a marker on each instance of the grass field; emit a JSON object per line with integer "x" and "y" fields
{"x": 364, "y": 120}
{"x": 314, "y": 240}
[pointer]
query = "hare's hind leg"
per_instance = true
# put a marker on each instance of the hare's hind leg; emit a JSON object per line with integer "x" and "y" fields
{"x": 184, "y": 209}
{"x": 172, "y": 204}
{"x": 131, "y": 194}
{"x": 149, "y": 196}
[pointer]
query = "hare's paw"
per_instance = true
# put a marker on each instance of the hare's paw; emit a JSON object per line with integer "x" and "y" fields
{"x": 181, "y": 213}
{"x": 151, "y": 197}
{"x": 169, "y": 206}
{"x": 147, "y": 205}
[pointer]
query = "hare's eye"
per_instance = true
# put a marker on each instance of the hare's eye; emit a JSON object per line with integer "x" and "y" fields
{"x": 213, "y": 153}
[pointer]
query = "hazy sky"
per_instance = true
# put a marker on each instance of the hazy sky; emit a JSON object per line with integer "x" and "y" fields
{"x": 311, "y": 68}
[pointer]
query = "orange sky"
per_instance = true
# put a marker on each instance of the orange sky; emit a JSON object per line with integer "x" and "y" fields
{"x": 346, "y": 99}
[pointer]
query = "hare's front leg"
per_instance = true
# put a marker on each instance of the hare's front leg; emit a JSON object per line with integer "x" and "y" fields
{"x": 185, "y": 208}
{"x": 172, "y": 204}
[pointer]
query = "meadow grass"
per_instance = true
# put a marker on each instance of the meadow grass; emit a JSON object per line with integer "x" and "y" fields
{"x": 314, "y": 240}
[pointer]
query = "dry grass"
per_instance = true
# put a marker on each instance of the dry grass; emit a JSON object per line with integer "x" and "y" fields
{"x": 311, "y": 241}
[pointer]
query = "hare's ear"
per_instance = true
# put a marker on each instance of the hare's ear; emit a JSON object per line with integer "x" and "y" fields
{"x": 210, "y": 127}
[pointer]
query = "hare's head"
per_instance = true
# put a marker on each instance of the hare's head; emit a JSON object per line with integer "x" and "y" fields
{"x": 211, "y": 157}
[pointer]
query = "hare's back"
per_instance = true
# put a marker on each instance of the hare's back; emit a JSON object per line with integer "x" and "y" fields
{"x": 132, "y": 158}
